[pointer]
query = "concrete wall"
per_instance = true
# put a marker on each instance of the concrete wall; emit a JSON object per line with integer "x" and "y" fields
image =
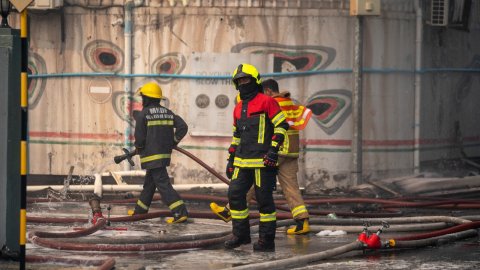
{"x": 81, "y": 120}
{"x": 450, "y": 100}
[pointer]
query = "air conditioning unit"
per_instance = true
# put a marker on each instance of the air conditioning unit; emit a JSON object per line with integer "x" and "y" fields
{"x": 439, "y": 13}
{"x": 46, "y": 4}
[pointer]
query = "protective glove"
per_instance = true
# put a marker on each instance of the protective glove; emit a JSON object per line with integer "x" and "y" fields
{"x": 230, "y": 168}
{"x": 271, "y": 158}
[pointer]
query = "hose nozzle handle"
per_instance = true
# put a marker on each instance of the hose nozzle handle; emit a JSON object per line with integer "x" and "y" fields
{"x": 128, "y": 156}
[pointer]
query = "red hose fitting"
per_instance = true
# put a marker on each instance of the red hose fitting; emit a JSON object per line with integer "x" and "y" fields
{"x": 362, "y": 237}
{"x": 374, "y": 242}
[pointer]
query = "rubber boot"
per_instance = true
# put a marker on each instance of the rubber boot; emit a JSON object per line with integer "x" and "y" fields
{"x": 302, "y": 227}
{"x": 177, "y": 218}
{"x": 264, "y": 245}
{"x": 221, "y": 212}
{"x": 235, "y": 242}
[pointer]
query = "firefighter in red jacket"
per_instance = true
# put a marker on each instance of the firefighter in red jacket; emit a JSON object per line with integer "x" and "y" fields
{"x": 259, "y": 128}
{"x": 297, "y": 117}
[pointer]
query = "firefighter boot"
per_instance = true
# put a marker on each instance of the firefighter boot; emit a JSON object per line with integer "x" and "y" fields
{"x": 301, "y": 227}
{"x": 177, "y": 218}
{"x": 221, "y": 212}
{"x": 235, "y": 242}
{"x": 264, "y": 244}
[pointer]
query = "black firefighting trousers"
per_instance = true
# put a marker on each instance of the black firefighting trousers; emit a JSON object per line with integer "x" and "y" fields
{"x": 264, "y": 181}
{"x": 158, "y": 178}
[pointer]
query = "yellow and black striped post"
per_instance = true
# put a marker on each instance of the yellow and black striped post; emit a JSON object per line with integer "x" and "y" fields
{"x": 23, "y": 143}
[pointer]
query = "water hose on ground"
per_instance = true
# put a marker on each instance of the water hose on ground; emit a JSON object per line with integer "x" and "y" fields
{"x": 454, "y": 229}
{"x": 392, "y": 228}
{"x": 38, "y": 238}
{"x": 98, "y": 226}
{"x": 434, "y": 241}
{"x": 105, "y": 264}
{"x": 152, "y": 239}
{"x": 395, "y": 220}
{"x": 129, "y": 247}
{"x": 442, "y": 236}
{"x": 298, "y": 261}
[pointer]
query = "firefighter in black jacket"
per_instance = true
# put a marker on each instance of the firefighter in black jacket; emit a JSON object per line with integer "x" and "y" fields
{"x": 157, "y": 131}
{"x": 259, "y": 128}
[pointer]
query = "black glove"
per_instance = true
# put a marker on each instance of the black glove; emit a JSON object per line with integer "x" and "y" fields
{"x": 230, "y": 169}
{"x": 271, "y": 158}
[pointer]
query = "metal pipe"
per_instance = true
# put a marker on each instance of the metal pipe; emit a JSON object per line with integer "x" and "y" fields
{"x": 357, "y": 155}
{"x": 418, "y": 85}
{"x": 128, "y": 70}
{"x": 128, "y": 34}
{"x": 113, "y": 188}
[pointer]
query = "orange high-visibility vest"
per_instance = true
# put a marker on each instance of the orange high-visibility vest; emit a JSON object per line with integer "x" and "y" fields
{"x": 297, "y": 116}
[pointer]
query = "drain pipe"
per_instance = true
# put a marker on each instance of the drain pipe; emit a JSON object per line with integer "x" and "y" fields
{"x": 128, "y": 35}
{"x": 357, "y": 155}
{"x": 418, "y": 85}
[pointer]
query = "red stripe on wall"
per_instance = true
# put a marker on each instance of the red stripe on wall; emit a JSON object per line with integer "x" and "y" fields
{"x": 333, "y": 142}
{"x": 70, "y": 135}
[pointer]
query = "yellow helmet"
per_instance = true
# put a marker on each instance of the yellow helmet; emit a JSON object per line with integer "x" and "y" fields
{"x": 151, "y": 89}
{"x": 246, "y": 70}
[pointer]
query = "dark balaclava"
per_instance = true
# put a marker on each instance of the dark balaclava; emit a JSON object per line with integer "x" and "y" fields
{"x": 249, "y": 90}
{"x": 147, "y": 101}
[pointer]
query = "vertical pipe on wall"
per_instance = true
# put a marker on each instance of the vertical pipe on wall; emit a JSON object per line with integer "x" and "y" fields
{"x": 128, "y": 70}
{"x": 418, "y": 84}
{"x": 357, "y": 155}
{"x": 23, "y": 143}
{"x": 128, "y": 36}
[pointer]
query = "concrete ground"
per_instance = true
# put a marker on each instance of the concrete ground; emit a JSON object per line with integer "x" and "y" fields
{"x": 463, "y": 254}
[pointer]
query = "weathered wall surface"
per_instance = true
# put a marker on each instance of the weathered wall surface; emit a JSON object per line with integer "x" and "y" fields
{"x": 82, "y": 120}
{"x": 450, "y": 122}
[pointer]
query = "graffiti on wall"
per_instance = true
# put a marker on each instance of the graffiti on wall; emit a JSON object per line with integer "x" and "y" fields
{"x": 36, "y": 87}
{"x": 288, "y": 58}
{"x": 120, "y": 101}
{"x": 103, "y": 56}
{"x": 330, "y": 108}
{"x": 170, "y": 63}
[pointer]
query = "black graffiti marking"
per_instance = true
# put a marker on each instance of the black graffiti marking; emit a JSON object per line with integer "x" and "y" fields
{"x": 319, "y": 108}
{"x": 103, "y": 56}
{"x": 299, "y": 60}
{"x": 36, "y": 65}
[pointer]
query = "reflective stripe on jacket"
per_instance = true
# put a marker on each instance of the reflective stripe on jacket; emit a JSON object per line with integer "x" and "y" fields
{"x": 255, "y": 123}
{"x": 157, "y": 130}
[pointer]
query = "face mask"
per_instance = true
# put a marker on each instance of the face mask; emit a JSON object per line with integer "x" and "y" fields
{"x": 248, "y": 90}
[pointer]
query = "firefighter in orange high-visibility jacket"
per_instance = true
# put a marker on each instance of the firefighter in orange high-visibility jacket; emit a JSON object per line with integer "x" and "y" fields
{"x": 259, "y": 129}
{"x": 297, "y": 117}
